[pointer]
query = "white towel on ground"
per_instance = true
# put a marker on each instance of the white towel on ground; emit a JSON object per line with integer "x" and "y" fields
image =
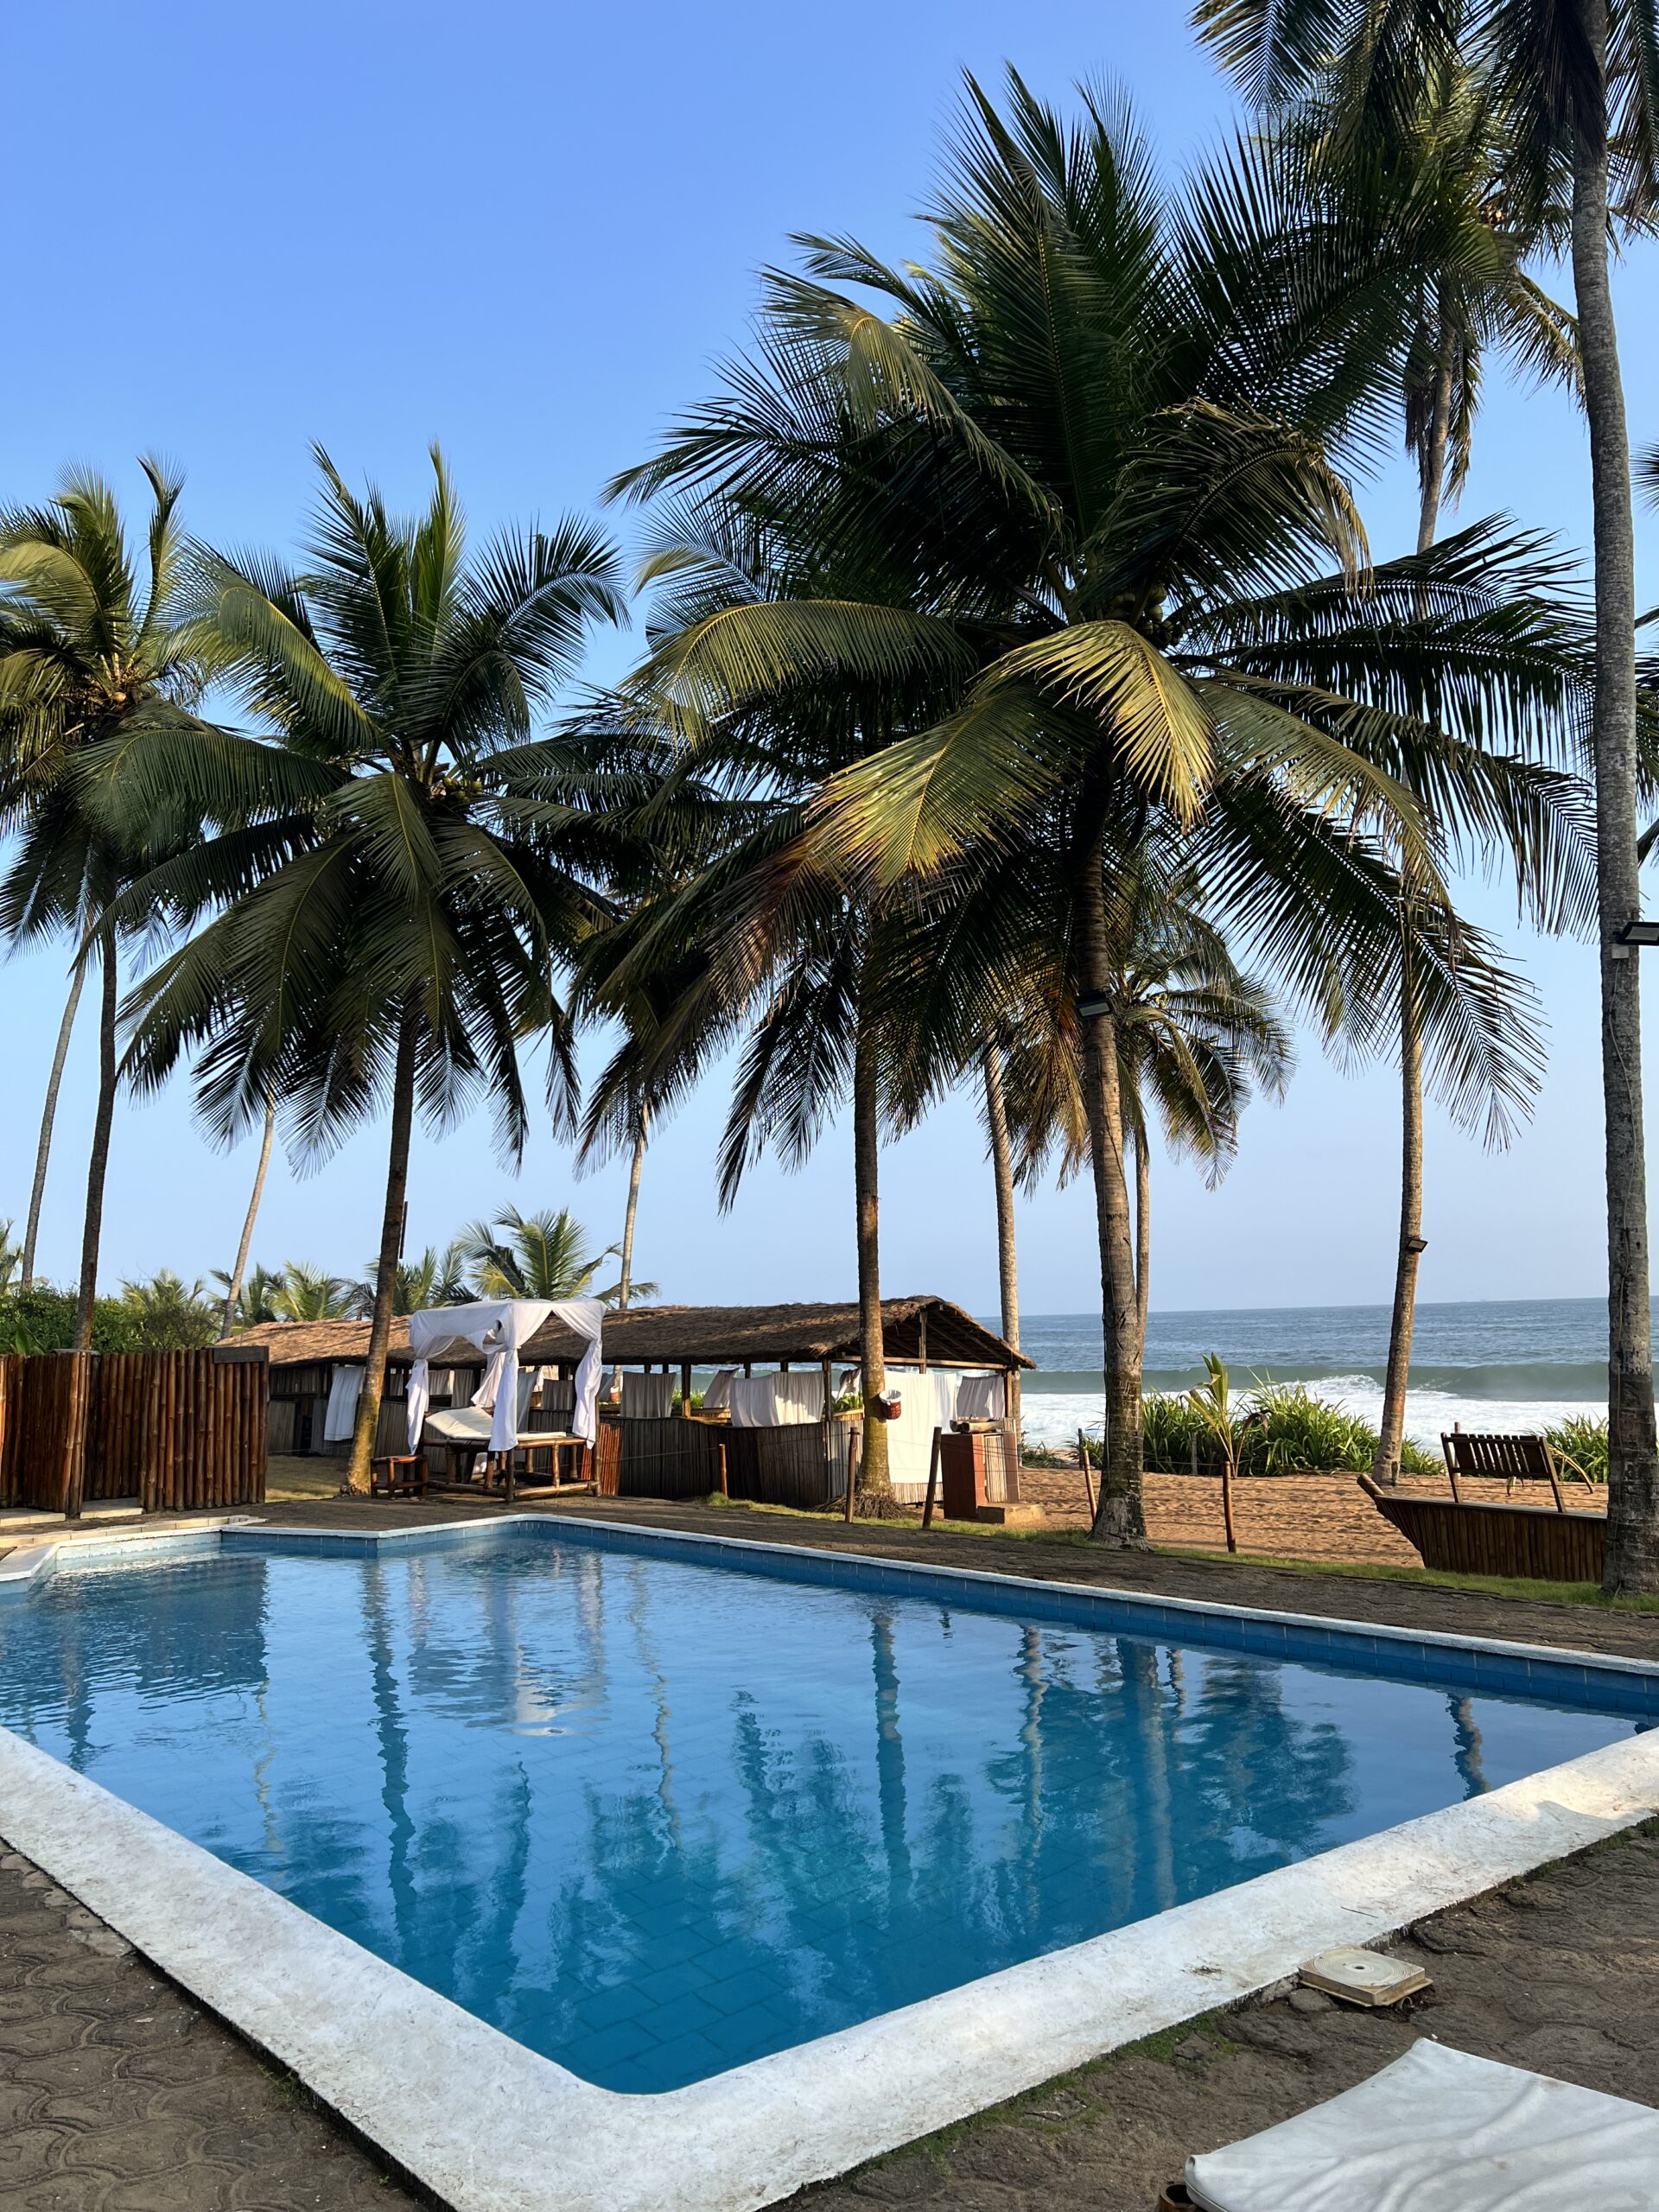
{"x": 1442, "y": 2130}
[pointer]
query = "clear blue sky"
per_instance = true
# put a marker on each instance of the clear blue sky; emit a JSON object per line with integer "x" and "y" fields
{"x": 528, "y": 231}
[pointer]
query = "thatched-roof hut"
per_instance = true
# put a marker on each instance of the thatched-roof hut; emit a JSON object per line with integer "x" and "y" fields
{"x": 306, "y": 1357}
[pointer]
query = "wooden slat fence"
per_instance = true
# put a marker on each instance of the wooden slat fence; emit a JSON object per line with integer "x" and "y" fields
{"x": 680, "y": 1457}
{"x": 788, "y": 1466}
{"x": 179, "y": 1431}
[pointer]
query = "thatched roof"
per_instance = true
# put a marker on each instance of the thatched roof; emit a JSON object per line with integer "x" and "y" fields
{"x": 307, "y": 1343}
{"x": 706, "y": 1336}
{"x": 720, "y": 1336}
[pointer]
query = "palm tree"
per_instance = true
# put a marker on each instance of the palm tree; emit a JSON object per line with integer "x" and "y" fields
{"x": 233, "y": 1280}
{"x": 1445, "y": 157}
{"x": 392, "y": 890}
{"x": 308, "y": 1294}
{"x": 1092, "y": 446}
{"x": 1197, "y": 1038}
{"x": 1577, "y": 87}
{"x": 168, "y": 1314}
{"x": 255, "y": 1299}
{"x": 435, "y": 1278}
{"x": 542, "y": 1254}
{"x": 89, "y": 653}
{"x": 753, "y": 945}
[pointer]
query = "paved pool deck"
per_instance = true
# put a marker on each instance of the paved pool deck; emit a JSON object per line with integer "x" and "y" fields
{"x": 119, "y": 2094}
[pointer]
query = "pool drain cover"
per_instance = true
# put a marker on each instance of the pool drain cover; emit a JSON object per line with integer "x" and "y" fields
{"x": 1363, "y": 1977}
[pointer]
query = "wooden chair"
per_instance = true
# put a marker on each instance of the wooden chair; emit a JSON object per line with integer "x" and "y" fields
{"x": 403, "y": 1473}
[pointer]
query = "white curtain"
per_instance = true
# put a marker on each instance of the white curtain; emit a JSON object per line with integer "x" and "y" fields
{"x": 718, "y": 1395}
{"x": 499, "y": 1326}
{"x": 647, "y": 1397}
{"x": 345, "y": 1388}
{"x": 776, "y": 1401}
{"x": 982, "y": 1397}
{"x": 930, "y": 1403}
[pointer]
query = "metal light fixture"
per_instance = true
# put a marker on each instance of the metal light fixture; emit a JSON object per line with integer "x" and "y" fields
{"x": 1632, "y": 935}
{"x": 1101, "y": 1002}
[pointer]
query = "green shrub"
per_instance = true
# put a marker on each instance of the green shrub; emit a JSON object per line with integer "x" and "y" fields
{"x": 1583, "y": 1440}
{"x": 43, "y": 1320}
{"x": 1283, "y": 1428}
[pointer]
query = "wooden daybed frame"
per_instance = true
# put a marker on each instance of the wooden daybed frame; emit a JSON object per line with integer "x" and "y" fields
{"x": 1461, "y": 1535}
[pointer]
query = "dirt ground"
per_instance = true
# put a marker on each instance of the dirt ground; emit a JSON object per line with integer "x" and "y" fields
{"x": 1282, "y": 1517}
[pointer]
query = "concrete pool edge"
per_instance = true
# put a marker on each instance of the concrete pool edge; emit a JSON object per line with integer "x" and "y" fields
{"x": 481, "y": 2120}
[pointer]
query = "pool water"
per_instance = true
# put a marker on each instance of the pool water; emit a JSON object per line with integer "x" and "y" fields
{"x": 654, "y": 1818}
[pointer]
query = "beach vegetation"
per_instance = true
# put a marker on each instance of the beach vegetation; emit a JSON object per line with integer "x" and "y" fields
{"x": 1578, "y": 90}
{"x": 96, "y": 649}
{"x": 1099, "y": 586}
{"x": 384, "y": 896}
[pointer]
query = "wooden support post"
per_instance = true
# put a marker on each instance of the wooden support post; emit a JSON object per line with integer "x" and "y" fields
{"x": 1452, "y": 1463}
{"x": 685, "y": 1388}
{"x": 921, "y": 1338}
{"x": 854, "y": 1456}
{"x": 932, "y": 1478}
{"x": 1555, "y": 1479}
{"x": 725, "y": 1489}
{"x": 1088, "y": 1482}
{"x": 828, "y": 1418}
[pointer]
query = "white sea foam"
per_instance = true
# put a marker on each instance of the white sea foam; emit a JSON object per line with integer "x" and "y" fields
{"x": 1054, "y": 1418}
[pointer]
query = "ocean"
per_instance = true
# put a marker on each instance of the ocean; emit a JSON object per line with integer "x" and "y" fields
{"x": 1505, "y": 1365}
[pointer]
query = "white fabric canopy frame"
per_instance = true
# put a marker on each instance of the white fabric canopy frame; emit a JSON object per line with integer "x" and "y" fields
{"x": 499, "y": 1327}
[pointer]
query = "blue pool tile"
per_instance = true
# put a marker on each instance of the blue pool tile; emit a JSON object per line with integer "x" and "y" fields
{"x": 735, "y": 1992}
{"x": 610, "y": 2049}
{"x": 668, "y": 1984}
{"x": 686, "y": 2058}
{"x": 607, "y": 2008}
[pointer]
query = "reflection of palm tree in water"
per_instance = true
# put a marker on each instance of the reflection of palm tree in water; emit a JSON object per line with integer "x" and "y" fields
{"x": 1467, "y": 1757}
{"x": 890, "y": 1762}
{"x": 639, "y": 1617}
{"x": 391, "y": 1736}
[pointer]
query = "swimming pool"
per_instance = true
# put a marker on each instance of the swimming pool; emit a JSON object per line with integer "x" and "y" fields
{"x": 654, "y": 1812}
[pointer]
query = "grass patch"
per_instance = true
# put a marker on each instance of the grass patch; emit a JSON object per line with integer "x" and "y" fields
{"x": 1482, "y": 1585}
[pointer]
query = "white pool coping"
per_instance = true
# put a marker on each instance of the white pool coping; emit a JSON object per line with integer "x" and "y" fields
{"x": 490, "y": 2126}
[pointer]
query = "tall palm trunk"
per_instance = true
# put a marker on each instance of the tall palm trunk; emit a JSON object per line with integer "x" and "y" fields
{"x": 1142, "y": 1235}
{"x": 636, "y": 1168}
{"x": 98, "y": 1166}
{"x": 1385, "y": 1467}
{"x": 874, "y": 1481}
{"x": 1632, "y": 1552}
{"x": 48, "y": 1114}
{"x": 1008, "y": 1268}
{"x": 234, "y": 1292}
{"x": 1119, "y": 1518}
{"x": 385, "y": 1278}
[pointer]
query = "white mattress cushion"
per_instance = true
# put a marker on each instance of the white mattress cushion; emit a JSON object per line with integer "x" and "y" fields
{"x": 1442, "y": 2130}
